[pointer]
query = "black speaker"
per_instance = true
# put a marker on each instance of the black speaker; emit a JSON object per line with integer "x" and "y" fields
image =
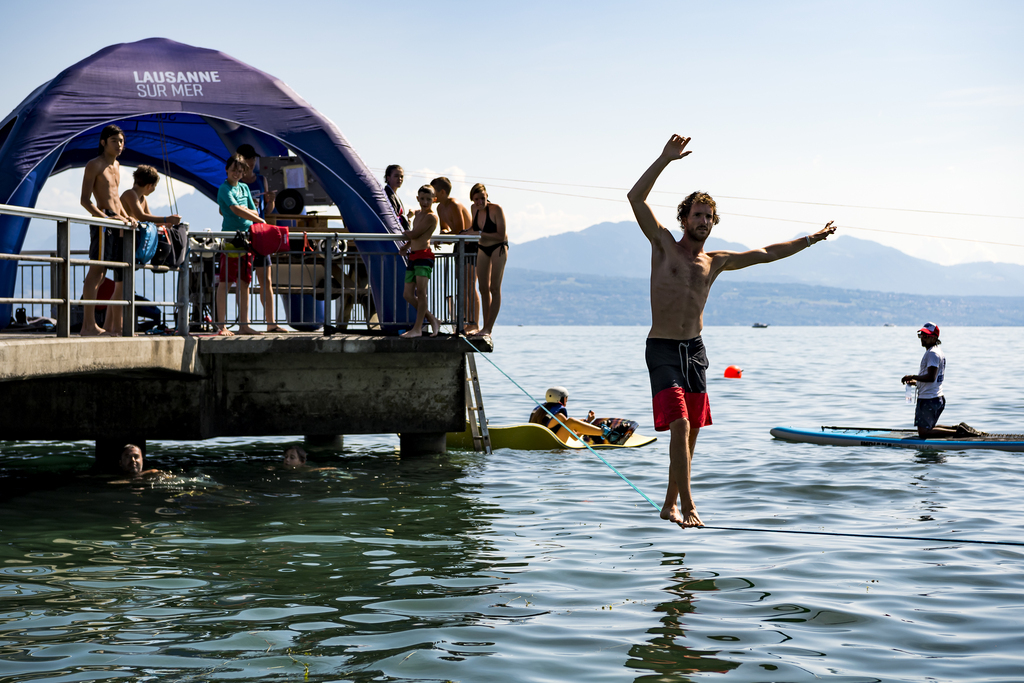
{"x": 290, "y": 202}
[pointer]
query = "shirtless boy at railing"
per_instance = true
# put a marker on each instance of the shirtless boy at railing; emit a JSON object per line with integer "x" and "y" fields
{"x": 134, "y": 200}
{"x": 456, "y": 220}
{"x": 421, "y": 263}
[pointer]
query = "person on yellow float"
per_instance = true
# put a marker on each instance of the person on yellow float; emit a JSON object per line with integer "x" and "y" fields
{"x": 563, "y": 426}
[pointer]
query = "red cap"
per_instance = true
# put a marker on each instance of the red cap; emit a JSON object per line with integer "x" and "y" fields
{"x": 930, "y": 328}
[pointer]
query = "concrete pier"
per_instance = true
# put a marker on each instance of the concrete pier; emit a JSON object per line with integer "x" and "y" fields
{"x": 192, "y": 388}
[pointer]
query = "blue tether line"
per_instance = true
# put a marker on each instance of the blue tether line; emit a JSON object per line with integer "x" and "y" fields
{"x": 729, "y": 528}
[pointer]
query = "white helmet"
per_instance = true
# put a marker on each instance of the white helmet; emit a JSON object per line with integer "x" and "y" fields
{"x": 556, "y": 395}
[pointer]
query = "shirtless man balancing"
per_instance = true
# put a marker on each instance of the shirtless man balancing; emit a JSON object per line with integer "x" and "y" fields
{"x": 681, "y": 277}
{"x": 101, "y": 179}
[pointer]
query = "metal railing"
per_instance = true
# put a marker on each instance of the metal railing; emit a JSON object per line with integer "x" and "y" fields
{"x": 311, "y": 301}
{"x": 361, "y": 276}
{"x": 62, "y": 263}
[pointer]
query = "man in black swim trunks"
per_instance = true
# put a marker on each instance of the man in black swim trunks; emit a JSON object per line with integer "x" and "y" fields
{"x": 681, "y": 277}
{"x": 101, "y": 179}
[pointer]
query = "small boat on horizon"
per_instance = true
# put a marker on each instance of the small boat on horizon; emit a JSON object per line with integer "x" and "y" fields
{"x": 760, "y": 325}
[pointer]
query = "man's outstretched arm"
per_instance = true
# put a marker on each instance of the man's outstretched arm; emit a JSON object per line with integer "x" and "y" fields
{"x": 774, "y": 252}
{"x": 674, "y": 149}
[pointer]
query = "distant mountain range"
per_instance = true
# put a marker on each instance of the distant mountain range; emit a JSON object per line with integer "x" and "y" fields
{"x": 531, "y": 297}
{"x": 621, "y": 250}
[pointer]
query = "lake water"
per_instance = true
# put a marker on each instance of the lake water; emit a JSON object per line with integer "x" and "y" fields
{"x": 545, "y": 566}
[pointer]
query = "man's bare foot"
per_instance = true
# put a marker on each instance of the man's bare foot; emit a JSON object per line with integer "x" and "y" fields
{"x": 410, "y": 334}
{"x": 689, "y": 520}
{"x": 470, "y": 330}
{"x": 480, "y": 334}
{"x": 94, "y": 331}
{"x": 224, "y": 332}
{"x": 435, "y": 327}
{"x": 275, "y": 328}
{"x": 245, "y": 329}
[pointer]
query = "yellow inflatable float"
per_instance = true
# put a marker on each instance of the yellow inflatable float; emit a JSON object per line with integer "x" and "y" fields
{"x": 535, "y": 437}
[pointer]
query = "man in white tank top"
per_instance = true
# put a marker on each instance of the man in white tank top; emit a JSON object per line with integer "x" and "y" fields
{"x": 930, "y": 401}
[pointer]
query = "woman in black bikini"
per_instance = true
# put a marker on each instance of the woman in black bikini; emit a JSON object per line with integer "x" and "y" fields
{"x": 489, "y": 219}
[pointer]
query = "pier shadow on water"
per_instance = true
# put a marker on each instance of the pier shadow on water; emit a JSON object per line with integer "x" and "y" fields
{"x": 235, "y": 567}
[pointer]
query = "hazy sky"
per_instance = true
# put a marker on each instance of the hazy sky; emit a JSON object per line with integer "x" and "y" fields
{"x": 908, "y": 105}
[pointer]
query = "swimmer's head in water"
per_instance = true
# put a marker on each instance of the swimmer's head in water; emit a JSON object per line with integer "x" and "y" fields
{"x": 685, "y": 206}
{"x": 556, "y": 395}
{"x": 131, "y": 459}
{"x": 294, "y": 456}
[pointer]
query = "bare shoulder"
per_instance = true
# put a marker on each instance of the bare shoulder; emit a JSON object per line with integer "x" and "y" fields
{"x": 661, "y": 238}
{"x": 721, "y": 254}
{"x": 95, "y": 165}
{"x": 720, "y": 259}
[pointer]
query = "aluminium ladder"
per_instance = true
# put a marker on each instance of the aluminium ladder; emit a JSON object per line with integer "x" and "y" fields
{"x": 475, "y": 407}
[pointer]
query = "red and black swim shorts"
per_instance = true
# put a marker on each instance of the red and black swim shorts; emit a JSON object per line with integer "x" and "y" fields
{"x": 679, "y": 384}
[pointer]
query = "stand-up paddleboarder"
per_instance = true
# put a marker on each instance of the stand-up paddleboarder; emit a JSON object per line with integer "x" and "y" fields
{"x": 681, "y": 277}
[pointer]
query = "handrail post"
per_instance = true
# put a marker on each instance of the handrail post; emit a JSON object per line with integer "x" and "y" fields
{"x": 184, "y": 275}
{"x": 460, "y": 286}
{"x": 128, "y": 282}
{"x": 328, "y": 276}
{"x": 64, "y": 278}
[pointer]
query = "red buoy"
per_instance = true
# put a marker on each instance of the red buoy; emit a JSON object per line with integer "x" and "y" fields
{"x": 734, "y": 372}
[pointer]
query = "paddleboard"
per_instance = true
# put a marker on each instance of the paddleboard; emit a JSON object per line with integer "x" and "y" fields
{"x": 897, "y": 438}
{"x": 534, "y": 437}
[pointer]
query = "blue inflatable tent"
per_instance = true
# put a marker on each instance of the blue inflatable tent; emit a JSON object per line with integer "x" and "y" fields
{"x": 185, "y": 109}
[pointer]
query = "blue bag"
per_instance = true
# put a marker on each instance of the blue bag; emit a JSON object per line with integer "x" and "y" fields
{"x": 146, "y": 239}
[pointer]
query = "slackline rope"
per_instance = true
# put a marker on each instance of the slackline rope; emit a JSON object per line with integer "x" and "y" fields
{"x": 732, "y": 528}
{"x": 540, "y": 405}
{"x": 835, "y": 533}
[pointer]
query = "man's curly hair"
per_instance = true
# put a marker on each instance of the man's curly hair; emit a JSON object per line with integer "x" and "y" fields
{"x": 697, "y": 197}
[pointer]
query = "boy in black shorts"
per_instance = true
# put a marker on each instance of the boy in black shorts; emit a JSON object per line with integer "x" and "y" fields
{"x": 101, "y": 179}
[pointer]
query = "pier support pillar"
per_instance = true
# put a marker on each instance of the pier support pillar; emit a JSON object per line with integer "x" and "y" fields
{"x": 325, "y": 441}
{"x": 429, "y": 443}
{"x": 108, "y": 453}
